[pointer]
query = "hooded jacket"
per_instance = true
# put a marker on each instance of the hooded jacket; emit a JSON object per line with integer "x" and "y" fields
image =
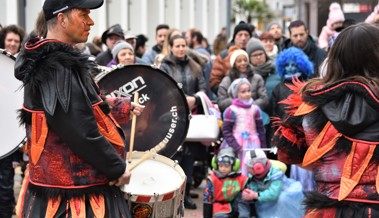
{"x": 333, "y": 131}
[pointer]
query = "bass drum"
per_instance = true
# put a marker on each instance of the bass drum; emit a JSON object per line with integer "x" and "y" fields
{"x": 11, "y": 133}
{"x": 166, "y": 113}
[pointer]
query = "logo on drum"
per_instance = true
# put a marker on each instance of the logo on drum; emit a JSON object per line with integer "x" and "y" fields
{"x": 142, "y": 211}
{"x": 136, "y": 85}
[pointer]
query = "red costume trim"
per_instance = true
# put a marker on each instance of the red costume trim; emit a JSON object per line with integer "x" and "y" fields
{"x": 355, "y": 165}
{"x": 97, "y": 205}
{"x": 347, "y": 83}
{"x": 52, "y": 207}
{"x": 38, "y": 136}
{"x": 106, "y": 128}
{"x": 323, "y": 143}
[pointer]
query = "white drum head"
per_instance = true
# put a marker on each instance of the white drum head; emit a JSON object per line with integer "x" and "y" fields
{"x": 158, "y": 175}
{"x": 11, "y": 133}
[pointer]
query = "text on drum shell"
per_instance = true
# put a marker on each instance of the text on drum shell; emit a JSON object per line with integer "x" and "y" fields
{"x": 174, "y": 121}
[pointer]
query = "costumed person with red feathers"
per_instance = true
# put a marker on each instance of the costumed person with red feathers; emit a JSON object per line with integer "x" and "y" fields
{"x": 332, "y": 128}
{"x": 76, "y": 148}
{"x": 291, "y": 63}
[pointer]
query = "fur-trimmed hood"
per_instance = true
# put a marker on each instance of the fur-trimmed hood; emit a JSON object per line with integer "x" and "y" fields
{"x": 44, "y": 56}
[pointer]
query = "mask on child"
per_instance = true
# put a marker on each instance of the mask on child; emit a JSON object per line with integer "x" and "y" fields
{"x": 291, "y": 70}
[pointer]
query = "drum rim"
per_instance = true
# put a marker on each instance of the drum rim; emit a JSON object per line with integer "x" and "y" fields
{"x": 100, "y": 76}
{"x": 18, "y": 146}
{"x": 6, "y": 53}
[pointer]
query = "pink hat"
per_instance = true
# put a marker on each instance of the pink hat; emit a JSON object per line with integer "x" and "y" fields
{"x": 335, "y": 14}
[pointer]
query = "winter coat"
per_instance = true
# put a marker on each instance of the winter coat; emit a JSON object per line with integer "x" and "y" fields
{"x": 149, "y": 56}
{"x": 219, "y": 44}
{"x": 103, "y": 58}
{"x": 187, "y": 72}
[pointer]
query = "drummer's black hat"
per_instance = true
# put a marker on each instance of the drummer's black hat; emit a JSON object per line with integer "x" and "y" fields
{"x": 113, "y": 30}
{"x": 52, "y": 8}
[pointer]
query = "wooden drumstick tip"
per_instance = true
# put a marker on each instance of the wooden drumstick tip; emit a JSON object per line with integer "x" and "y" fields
{"x": 133, "y": 129}
{"x": 148, "y": 155}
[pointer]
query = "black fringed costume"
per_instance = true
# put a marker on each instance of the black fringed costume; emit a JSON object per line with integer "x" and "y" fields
{"x": 75, "y": 146}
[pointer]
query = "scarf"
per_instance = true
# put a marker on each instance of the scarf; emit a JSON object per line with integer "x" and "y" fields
{"x": 264, "y": 69}
{"x": 274, "y": 53}
{"x": 242, "y": 103}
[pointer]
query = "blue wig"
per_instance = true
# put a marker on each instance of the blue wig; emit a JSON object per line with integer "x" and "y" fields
{"x": 300, "y": 59}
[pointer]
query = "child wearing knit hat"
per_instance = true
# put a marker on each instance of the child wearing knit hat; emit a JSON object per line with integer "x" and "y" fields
{"x": 219, "y": 201}
{"x": 273, "y": 194}
{"x": 243, "y": 126}
{"x": 241, "y": 68}
{"x": 333, "y": 24}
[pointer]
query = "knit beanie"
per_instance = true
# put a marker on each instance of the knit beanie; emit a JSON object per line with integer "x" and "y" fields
{"x": 241, "y": 26}
{"x": 335, "y": 14}
{"x": 254, "y": 45}
{"x": 120, "y": 44}
{"x": 268, "y": 27}
{"x": 237, "y": 53}
{"x": 255, "y": 156}
{"x": 257, "y": 160}
{"x": 233, "y": 88}
{"x": 226, "y": 156}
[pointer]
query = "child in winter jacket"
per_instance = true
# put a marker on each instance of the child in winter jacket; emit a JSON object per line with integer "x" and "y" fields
{"x": 273, "y": 194}
{"x": 333, "y": 25}
{"x": 222, "y": 191}
{"x": 243, "y": 126}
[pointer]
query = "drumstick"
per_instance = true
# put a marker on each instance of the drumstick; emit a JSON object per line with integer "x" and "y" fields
{"x": 148, "y": 154}
{"x": 133, "y": 129}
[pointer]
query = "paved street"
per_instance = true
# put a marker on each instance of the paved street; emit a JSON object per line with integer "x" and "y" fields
{"x": 198, "y": 213}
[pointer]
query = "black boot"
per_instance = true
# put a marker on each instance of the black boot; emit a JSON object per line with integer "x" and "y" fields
{"x": 188, "y": 203}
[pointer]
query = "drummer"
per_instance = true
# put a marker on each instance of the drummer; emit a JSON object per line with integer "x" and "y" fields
{"x": 10, "y": 39}
{"x": 76, "y": 150}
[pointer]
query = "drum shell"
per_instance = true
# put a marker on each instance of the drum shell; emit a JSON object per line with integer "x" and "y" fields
{"x": 156, "y": 188}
